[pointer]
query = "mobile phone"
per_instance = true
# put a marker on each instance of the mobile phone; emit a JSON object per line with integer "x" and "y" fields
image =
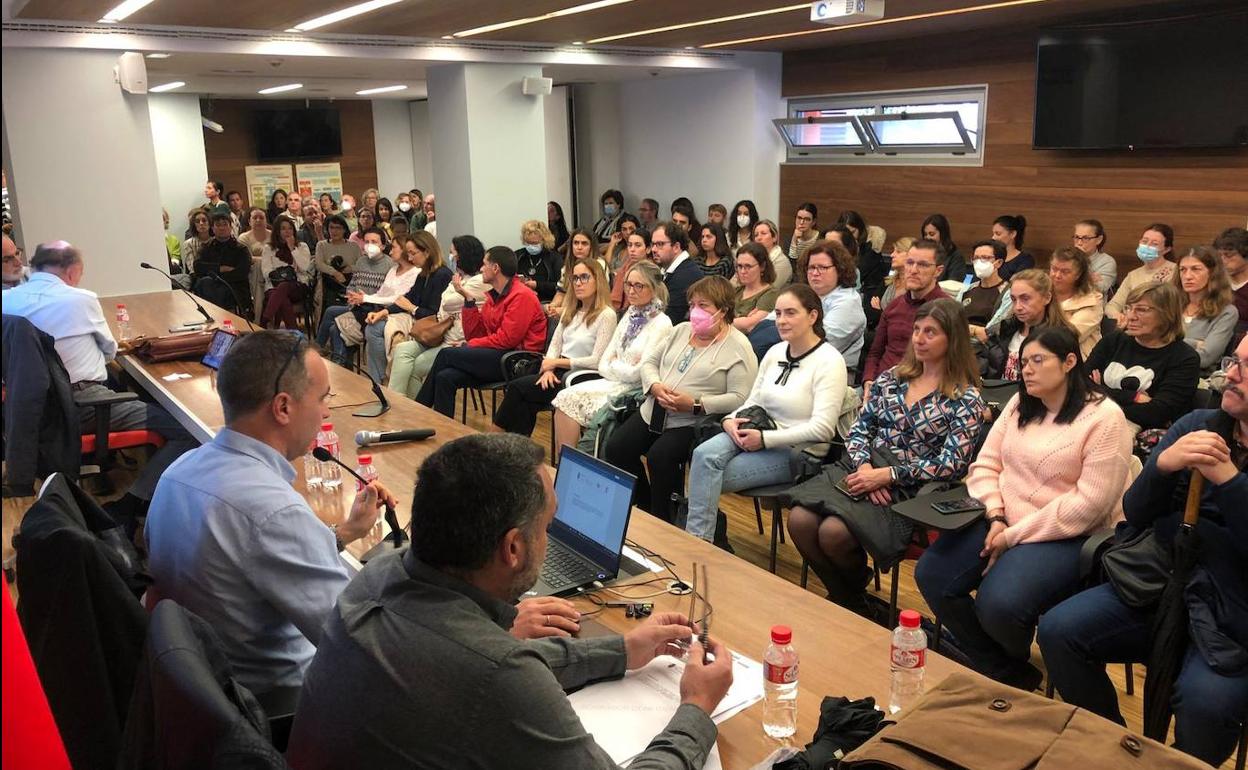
{"x": 658, "y": 419}
{"x": 843, "y": 488}
{"x": 962, "y": 505}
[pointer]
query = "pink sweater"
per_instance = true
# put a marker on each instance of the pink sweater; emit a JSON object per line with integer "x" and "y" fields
{"x": 1054, "y": 481}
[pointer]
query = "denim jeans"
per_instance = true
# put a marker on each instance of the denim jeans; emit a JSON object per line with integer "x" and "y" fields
{"x": 719, "y": 466}
{"x": 995, "y": 628}
{"x": 327, "y": 333}
{"x": 764, "y": 336}
{"x": 455, "y": 368}
{"x": 1080, "y": 635}
{"x": 375, "y": 349}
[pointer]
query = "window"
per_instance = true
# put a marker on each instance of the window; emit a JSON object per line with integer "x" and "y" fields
{"x": 919, "y": 127}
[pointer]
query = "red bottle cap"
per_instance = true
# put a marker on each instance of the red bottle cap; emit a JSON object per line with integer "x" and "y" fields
{"x": 327, "y": 426}
{"x": 909, "y": 619}
{"x": 366, "y": 459}
{"x": 781, "y": 634}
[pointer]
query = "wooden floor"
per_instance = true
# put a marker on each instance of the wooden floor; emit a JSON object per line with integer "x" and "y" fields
{"x": 749, "y": 545}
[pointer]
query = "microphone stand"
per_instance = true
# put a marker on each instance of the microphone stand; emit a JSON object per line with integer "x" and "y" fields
{"x": 397, "y": 537}
{"x": 208, "y": 321}
{"x": 237, "y": 302}
{"x": 374, "y": 410}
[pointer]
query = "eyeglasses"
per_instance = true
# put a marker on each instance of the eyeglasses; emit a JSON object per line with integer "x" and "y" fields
{"x": 635, "y": 286}
{"x": 1235, "y": 362}
{"x": 819, "y": 269}
{"x": 805, "y": 218}
{"x": 659, "y": 244}
{"x": 744, "y": 266}
{"x": 1035, "y": 359}
{"x": 296, "y": 346}
{"x": 1084, "y": 238}
{"x": 1139, "y": 309}
{"x": 580, "y": 278}
{"x": 920, "y": 265}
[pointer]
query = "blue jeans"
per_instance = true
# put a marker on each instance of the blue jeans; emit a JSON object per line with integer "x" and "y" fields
{"x": 995, "y": 628}
{"x": 719, "y": 466}
{"x": 375, "y": 349}
{"x": 327, "y": 334}
{"x": 455, "y": 368}
{"x": 763, "y": 336}
{"x": 1080, "y": 635}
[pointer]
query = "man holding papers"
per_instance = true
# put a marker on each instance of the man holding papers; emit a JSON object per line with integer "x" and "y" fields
{"x": 416, "y": 667}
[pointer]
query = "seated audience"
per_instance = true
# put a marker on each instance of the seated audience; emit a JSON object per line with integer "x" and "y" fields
{"x": 277, "y": 205}
{"x": 335, "y": 261}
{"x": 892, "y": 335}
{"x": 581, "y": 337}
{"x": 422, "y": 300}
{"x": 705, "y": 367}
{"x": 385, "y": 213}
{"x": 616, "y": 247}
{"x": 637, "y": 249}
{"x": 257, "y": 233}
{"x": 920, "y": 423}
{"x": 173, "y": 246}
{"x": 872, "y": 266}
{"x": 15, "y": 273}
{"x": 669, "y": 245}
{"x": 369, "y": 199}
{"x": 936, "y": 228}
{"x": 413, "y": 358}
{"x": 365, "y": 221}
{"x": 348, "y": 212}
{"x": 1155, "y": 250}
{"x": 469, "y": 694}
{"x": 805, "y": 234}
{"x": 682, "y": 214}
{"x": 328, "y": 205}
{"x": 313, "y": 230}
{"x": 1232, "y": 246}
{"x": 648, "y": 213}
{"x": 407, "y": 212}
{"x": 224, "y": 259}
{"x": 741, "y": 224}
{"x": 1010, "y": 231}
{"x": 1031, "y": 306}
{"x": 1083, "y": 306}
{"x": 896, "y": 271}
{"x": 1145, "y": 366}
{"x": 1089, "y": 237}
{"x": 756, "y": 291}
{"x": 200, "y": 235}
{"x": 1052, "y": 471}
{"x": 352, "y": 328}
{"x": 431, "y": 215}
{"x": 800, "y": 385}
{"x": 1080, "y": 635}
{"x": 287, "y": 269}
{"x": 238, "y": 211}
{"x": 580, "y": 247}
{"x": 511, "y": 319}
{"x": 612, "y": 202}
{"x": 643, "y": 326}
{"x": 367, "y": 276}
{"x": 52, "y": 301}
{"x": 1209, "y": 314}
{"x": 982, "y": 298}
{"x": 713, "y": 256}
{"x": 539, "y": 263}
{"x": 214, "y": 191}
{"x": 294, "y": 208}
{"x": 767, "y": 235}
{"x": 717, "y": 214}
{"x": 559, "y": 226}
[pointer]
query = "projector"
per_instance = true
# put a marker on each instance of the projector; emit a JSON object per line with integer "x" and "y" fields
{"x": 846, "y": 11}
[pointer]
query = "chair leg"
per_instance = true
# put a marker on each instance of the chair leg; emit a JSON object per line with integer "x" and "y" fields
{"x": 775, "y": 537}
{"x": 553, "y": 459}
{"x": 892, "y": 596}
{"x": 493, "y": 403}
{"x": 805, "y": 572}
{"x": 758, "y": 515}
{"x": 1130, "y": 673}
{"x": 1241, "y": 755}
{"x": 875, "y": 568}
{"x": 463, "y": 415}
{"x": 775, "y": 507}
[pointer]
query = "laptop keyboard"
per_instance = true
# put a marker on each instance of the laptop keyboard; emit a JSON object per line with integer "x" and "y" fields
{"x": 563, "y": 567}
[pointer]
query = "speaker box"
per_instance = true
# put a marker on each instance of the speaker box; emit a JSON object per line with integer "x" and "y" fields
{"x": 536, "y": 86}
{"x": 131, "y": 73}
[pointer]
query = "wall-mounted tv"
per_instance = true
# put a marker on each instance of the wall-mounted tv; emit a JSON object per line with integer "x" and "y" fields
{"x": 297, "y": 134}
{"x": 1163, "y": 83}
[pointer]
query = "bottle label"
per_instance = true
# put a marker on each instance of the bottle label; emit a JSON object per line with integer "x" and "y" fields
{"x": 332, "y": 447}
{"x": 908, "y": 658}
{"x": 780, "y": 674}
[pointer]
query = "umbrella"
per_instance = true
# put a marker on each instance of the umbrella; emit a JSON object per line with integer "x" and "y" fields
{"x": 1170, "y": 631}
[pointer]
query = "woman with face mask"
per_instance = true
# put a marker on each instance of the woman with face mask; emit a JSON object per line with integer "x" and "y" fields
{"x": 367, "y": 275}
{"x": 706, "y": 367}
{"x": 982, "y": 298}
{"x": 539, "y": 264}
{"x": 612, "y": 207}
{"x": 741, "y": 224}
{"x": 1155, "y": 250}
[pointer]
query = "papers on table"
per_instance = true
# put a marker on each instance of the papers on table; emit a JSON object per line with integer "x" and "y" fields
{"x": 625, "y": 714}
{"x": 176, "y": 376}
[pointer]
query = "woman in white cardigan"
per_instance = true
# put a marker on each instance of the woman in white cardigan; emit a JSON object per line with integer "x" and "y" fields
{"x": 800, "y": 386}
{"x": 643, "y": 326}
{"x": 286, "y": 266}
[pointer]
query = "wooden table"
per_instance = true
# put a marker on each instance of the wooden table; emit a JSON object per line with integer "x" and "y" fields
{"x": 841, "y": 653}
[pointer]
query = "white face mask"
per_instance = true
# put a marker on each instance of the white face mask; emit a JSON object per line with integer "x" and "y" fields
{"x": 347, "y": 205}
{"x": 405, "y": 206}
{"x": 743, "y": 220}
{"x": 372, "y": 249}
{"x": 983, "y": 269}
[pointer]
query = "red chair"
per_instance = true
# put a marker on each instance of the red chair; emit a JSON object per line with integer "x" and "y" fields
{"x": 31, "y": 739}
{"x": 102, "y": 443}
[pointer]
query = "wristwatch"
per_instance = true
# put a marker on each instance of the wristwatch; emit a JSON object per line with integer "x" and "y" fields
{"x": 697, "y": 406}
{"x": 994, "y": 519}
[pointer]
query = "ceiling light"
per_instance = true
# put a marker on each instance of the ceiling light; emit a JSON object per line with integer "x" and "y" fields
{"x": 894, "y": 20}
{"x": 280, "y": 89}
{"x": 160, "y": 89}
{"x": 159, "y": 55}
{"x": 583, "y": 8}
{"x": 704, "y": 22}
{"x": 345, "y": 13}
{"x": 123, "y": 10}
{"x": 578, "y": 42}
{"x": 380, "y": 90}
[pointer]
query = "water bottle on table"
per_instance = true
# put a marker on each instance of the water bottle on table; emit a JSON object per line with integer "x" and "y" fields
{"x": 331, "y": 475}
{"x": 311, "y": 469}
{"x": 367, "y": 471}
{"x": 123, "y": 322}
{"x": 780, "y": 684}
{"x": 907, "y": 659}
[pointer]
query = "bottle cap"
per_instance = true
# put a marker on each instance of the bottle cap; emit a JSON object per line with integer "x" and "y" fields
{"x": 781, "y": 634}
{"x": 121, "y": 306}
{"x": 327, "y": 426}
{"x": 366, "y": 459}
{"x": 909, "y": 619}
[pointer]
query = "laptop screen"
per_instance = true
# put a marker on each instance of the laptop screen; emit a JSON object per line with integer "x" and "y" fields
{"x": 595, "y": 500}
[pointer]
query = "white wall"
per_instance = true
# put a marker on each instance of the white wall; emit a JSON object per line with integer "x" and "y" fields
{"x": 558, "y": 149}
{"x": 181, "y": 165}
{"x": 392, "y": 135}
{"x": 598, "y": 155}
{"x": 422, "y": 150}
{"x": 70, "y": 128}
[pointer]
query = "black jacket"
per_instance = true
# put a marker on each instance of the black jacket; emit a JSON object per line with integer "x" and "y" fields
{"x": 993, "y": 355}
{"x": 41, "y": 428}
{"x": 872, "y": 270}
{"x": 678, "y": 282}
{"x": 426, "y": 292}
{"x": 544, "y": 268}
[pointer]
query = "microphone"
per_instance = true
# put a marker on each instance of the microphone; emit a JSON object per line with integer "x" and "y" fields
{"x": 396, "y": 533}
{"x": 366, "y": 437}
{"x": 373, "y": 410}
{"x": 180, "y": 287}
{"x": 237, "y": 302}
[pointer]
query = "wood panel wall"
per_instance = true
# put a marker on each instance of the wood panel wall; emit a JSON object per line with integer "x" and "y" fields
{"x": 230, "y": 152}
{"x": 1199, "y": 193}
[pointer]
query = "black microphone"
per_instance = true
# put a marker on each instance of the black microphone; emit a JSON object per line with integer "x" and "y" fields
{"x": 396, "y": 533}
{"x": 366, "y": 437}
{"x": 237, "y": 302}
{"x": 373, "y": 410}
{"x": 174, "y": 284}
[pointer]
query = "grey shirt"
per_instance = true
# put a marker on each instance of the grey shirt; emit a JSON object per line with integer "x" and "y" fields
{"x": 1211, "y": 336}
{"x": 416, "y": 669}
{"x": 1105, "y": 270}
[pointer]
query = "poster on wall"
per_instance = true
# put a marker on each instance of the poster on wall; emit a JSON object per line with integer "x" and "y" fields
{"x": 263, "y": 180}
{"x": 317, "y": 178}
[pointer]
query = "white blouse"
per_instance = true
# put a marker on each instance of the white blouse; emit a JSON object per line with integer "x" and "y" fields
{"x": 394, "y": 286}
{"x": 303, "y": 263}
{"x": 583, "y": 344}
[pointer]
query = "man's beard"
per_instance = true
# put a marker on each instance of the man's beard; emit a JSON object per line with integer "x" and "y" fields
{"x": 527, "y": 578}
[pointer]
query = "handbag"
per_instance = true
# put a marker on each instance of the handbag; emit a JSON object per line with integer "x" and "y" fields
{"x": 173, "y": 347}
{"x": 756, "y": 418}
{"x": 1137, "y": 565}
{"x": 429, "y": 331}
{"x": 283, "y": 274}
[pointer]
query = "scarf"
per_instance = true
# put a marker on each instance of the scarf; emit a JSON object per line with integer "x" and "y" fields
{"x": 637, "y": 318}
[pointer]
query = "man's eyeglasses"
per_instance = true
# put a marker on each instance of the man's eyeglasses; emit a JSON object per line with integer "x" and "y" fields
{"x": 295, "y": 348}
{"x": 659, "y": 244}
{"x": 920, "y": 265}
{"x": 1234, "y": 362}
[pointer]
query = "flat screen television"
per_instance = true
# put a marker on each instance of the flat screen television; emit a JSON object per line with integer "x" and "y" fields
{"x": 297, "y": 134}
{"x": 1164, "y": 83}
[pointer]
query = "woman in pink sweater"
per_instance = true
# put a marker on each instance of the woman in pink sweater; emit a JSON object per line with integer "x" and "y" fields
{"x": 1052, "y": 470}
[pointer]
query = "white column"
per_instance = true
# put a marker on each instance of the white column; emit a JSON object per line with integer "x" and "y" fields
{"x": 82, "y": 163}
{"x": 489, "y": 151}
{"x": 392, "y": 136}
{"x": 181, "y": 163}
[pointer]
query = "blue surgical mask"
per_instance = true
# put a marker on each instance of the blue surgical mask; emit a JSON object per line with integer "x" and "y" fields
{"x": 1146, "y": 253}
{"x": 533, "y": 248}
{"x": 610, "y": 209}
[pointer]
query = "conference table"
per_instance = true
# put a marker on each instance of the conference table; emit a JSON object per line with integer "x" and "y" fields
{"x": 841, "y": 653}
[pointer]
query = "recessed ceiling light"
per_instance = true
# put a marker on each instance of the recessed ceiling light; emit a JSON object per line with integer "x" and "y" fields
{"x": 583, "y": 8}
{"x": 876, "y": 23}
{"x": 123, "y": 10}
{"x": 448, "y": 37}
{"x": 280, "y": 89}
{"x": 159, "y": 55}
{"x": 577, "y": 42}
{"x": 341, "y": 15}
{"x": 160, "y": 89}
{"x": 704, "y": 22}
{"x": 379, "y": 90}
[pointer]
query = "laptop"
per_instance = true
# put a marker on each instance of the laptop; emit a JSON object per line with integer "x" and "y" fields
{"x": 587, "y": 533}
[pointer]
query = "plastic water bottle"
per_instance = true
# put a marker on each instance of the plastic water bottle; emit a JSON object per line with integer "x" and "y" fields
{"x": 331, "y": 475}
{"x": 123, "y": 322}
{"x": 311, "y": 469}
{"x": 227, "y": 326}
{"x": 907, "y": 658}
{"x": 367, "y": 470}
{"x": 780, "y": 684}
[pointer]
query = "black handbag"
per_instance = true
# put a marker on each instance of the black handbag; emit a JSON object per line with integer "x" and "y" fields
{"x": 756, "y": 418}
{"x": 1137, "y": 565}
{"x": 283, "y": 274}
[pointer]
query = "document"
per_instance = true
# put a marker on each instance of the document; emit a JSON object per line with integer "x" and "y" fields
{"x": 624, "y": 715}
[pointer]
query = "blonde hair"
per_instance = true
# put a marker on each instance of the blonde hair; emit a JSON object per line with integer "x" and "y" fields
{"x": 1169, "y": 303}
{"x": 1218, "y": 292}
{"x": 602, "y": 294}
{"x": 538, "y": 228}
{"x": 904, "y": 243}
{"x": 652, "y": 275}
{"x": 1040, "y": 281}
{"x": 428, "y": 244}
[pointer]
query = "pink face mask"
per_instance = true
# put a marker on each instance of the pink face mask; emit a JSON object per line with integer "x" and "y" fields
{"x": 702, "y": 321}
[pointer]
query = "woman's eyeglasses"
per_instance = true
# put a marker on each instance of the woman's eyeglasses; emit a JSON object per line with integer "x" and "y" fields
{"x": 635, "y": 286}
{"x": 581, "y": 278}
